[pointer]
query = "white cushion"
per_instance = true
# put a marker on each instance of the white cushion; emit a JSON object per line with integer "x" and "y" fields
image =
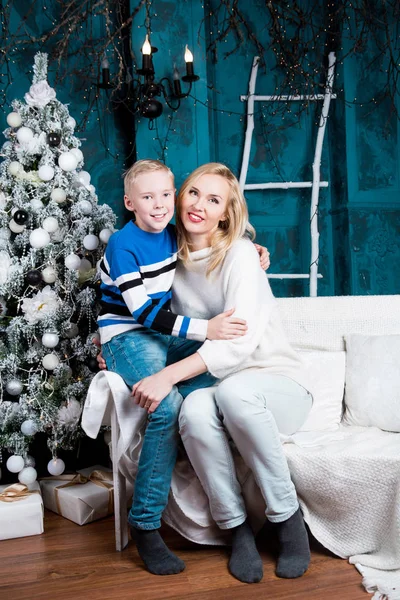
{"x": 326, "y": 371}
{"x": 372, "y": 396}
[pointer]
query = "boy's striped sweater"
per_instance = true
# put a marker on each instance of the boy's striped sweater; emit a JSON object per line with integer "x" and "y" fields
{"x": 137, "y": 271}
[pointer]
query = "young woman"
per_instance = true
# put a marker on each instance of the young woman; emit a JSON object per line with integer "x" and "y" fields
{"x": 263, "y": 391}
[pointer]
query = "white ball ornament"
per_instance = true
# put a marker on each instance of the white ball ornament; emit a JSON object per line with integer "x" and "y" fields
{"x": 85, "y": 207}
{"x": 50, "y": 361}
{"x": 39, "y": 238}
{"x": 14, "y": 387}
{"x": 71, "y": 123}
{"x": 29, "y": 427}
{"x": 15, "y": 463}
{"x": 56, "y": 466}
{"x": 50, "y": 339}
{"x": 50, "y": 224}
{"x": 14, "y": 119}
{"x": 58, "y": 195}
{"x": 105, "y": 235}
{"x": 15, "y": 228}
{"x": 91, "y": 242}
{"x": 36, "y": 204}
{"x": 91, "y": 188}
{"x": 49, "y": 275}
{"x": 46, "y": 173}
{"x": 24, "y": 135}
{"x": 67, "y": 161}
{"x": 14, "y": 168}
{"x": 72, "y": 262}
{"x": 27, "y": 476}
{"x": 77, "y": 153}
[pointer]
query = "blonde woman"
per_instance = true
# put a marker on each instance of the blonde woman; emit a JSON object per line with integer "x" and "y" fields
{"x": 263, "y": 389}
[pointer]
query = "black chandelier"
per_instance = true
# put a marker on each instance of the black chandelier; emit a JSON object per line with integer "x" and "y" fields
{"x": 147, "y": 89}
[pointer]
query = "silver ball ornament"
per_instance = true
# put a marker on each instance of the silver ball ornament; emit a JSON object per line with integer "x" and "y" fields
{"x": 85, "y": 207}
{"x": 15, "y": 228}
{"x": 29, "y": 461}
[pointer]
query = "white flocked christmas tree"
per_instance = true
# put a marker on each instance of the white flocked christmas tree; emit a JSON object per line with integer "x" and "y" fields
{"x": 52, "y": 235}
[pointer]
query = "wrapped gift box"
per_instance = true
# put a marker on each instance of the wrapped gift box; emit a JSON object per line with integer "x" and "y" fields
{"x": 83, "y": 497}
{"x": 22, "y": 517}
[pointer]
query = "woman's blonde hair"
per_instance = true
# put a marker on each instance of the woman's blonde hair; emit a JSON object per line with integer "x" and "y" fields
{"x": 235, "y": 226}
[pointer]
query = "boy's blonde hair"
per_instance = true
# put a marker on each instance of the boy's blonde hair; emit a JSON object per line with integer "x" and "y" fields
{"x": 143, "y": 166}
{"x": 235, "y": 226}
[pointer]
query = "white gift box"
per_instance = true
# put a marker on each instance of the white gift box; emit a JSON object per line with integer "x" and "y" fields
{"x": 23, "y": 517}
{"x": 78, "y": 498}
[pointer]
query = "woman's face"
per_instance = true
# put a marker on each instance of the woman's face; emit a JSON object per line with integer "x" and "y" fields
{"x": 203, "y": 206}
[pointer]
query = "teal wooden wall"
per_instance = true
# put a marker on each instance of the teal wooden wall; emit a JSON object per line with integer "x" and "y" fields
{"x": 359, "y": 216}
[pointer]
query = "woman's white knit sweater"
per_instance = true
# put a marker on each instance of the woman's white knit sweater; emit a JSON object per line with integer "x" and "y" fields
{"x": 238, "y": 283}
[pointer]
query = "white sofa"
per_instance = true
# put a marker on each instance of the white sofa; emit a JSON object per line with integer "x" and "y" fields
{"x": 346, "y": 468}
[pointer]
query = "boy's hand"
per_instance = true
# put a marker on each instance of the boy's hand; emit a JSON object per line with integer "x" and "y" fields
{"x": 100, "y": 360}
{"x": 150, "y": 391}
{"x": 226, "y": 327}
{"x": 264, "y": 256}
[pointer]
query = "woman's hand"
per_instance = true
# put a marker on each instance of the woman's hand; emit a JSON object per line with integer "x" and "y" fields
{"x": 150, "y": 391}
{"x": 264, "y": 256}
{"x": 226, "y": 327}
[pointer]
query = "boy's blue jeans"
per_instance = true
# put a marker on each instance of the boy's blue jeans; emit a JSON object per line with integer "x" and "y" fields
{"x": 135, "y": 355}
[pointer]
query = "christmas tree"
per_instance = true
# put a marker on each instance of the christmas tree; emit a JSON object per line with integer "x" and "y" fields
{"x": 52, "y": 235}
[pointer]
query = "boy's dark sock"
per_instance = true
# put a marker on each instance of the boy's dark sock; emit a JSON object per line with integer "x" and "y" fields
{"x": 294, "y": 548}
{"x": 245, "y": 563}
{"x": 155, "y": 554}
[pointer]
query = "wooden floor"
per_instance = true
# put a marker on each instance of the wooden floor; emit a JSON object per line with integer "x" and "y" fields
{"x": 72, "y": 562}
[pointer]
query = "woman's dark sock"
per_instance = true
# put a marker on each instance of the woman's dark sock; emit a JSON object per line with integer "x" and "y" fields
{"x": 294, "y": 548}
{"x": 155, "y": 554}
{"x": 245, "y": 563}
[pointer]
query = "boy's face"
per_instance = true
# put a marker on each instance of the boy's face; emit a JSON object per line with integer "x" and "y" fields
{"x": 151, "y": 197}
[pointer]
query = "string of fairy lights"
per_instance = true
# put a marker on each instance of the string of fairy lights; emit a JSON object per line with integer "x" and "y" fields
{"x": 295, "y": 34}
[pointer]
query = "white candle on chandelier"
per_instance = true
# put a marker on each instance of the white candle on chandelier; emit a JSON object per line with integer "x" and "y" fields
{"x": 146, "y": 54}
{"x": 189, "y": 62}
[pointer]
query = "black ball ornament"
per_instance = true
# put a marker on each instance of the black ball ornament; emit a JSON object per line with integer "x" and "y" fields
{"x": 20, "y": 216}
{"x": 33, "y": 277}
{"x": 93, "y": 364}
{"x": 53, "y": 139}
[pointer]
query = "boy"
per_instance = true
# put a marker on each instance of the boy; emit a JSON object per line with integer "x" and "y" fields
{"x": 135, "y": 325}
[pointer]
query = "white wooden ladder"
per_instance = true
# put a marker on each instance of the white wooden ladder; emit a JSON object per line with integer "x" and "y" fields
{"x": 316, "y": 182}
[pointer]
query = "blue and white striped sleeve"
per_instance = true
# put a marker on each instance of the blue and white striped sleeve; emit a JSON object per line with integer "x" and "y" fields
{"x": 125, "y": 275}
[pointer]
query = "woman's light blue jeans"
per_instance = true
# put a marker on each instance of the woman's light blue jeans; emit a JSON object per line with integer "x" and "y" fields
{"x": 135, "y": 355}
{"x": 251, "y": 407}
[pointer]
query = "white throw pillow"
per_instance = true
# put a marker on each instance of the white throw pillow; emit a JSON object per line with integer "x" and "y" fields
{"x": 326, "y": 371}
{"x": 372, "y": 397}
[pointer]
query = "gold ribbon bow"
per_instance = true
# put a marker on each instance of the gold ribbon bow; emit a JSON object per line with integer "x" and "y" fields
{"x": 15, "y": 492}
{"x": 101, "y": 478}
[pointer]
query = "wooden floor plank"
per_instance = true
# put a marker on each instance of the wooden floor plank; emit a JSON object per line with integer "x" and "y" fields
{"x": 80, "y": 563}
